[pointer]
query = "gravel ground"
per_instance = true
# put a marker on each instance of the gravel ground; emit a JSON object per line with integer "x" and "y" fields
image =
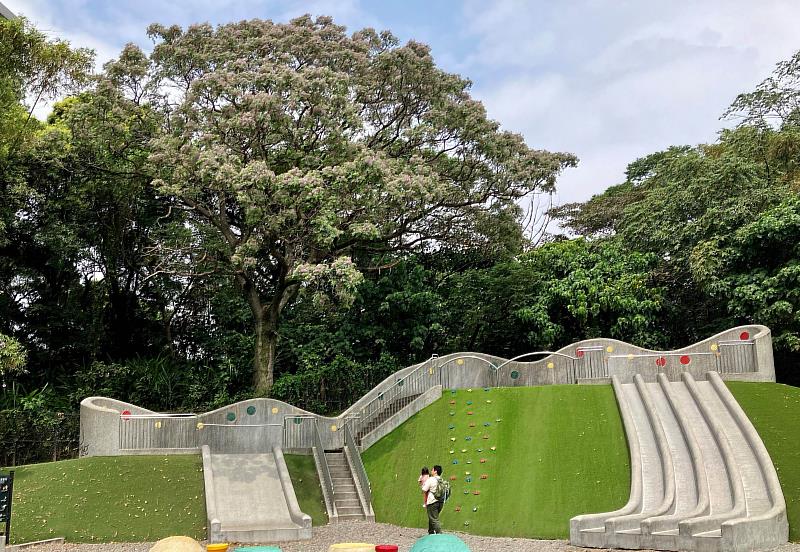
{"x": 360, "y": 531}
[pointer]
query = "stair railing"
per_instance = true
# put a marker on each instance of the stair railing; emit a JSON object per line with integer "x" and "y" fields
{"x": 412, "y": 381}
{"x": 358, "y": 466}
{"x": 325, "y": 471}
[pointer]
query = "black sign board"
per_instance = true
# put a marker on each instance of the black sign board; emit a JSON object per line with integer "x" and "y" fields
{"x": 6, "y": 494}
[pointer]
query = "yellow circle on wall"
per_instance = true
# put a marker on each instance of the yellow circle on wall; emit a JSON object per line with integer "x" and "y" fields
{"x": 460, "y": 361}
{"x": 630, "y": 356}
{"x": 714, "y": 346}
{"x": 334, "y": 428}
{"x": 158, "y": 425}
{"x": 274, "y": 409}
{"x": 550, "y": 365}
{"x": 200, "y": 425}
{"x": 430, "y": 370}
{"x": 609, "y": 349}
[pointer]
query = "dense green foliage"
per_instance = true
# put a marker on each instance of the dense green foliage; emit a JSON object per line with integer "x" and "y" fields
{"x": 336, "y": 210}
{"x": 552, "y": 444}
{"x": 775, "y": 412}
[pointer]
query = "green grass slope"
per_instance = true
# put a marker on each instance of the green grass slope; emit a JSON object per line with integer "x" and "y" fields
{"x": 774, "y": 410}
{"x": 559, "y": 451}
{"x": 110, "y": 499}
{"x": 129, "y": 498}
{"x": 307, "y": 488}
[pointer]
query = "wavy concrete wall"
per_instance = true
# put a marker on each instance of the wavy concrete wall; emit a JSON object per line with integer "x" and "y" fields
{"x": 256, "y": 425}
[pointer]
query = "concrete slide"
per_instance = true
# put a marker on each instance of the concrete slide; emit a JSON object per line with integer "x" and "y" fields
{"x": 701, "y": 478}
{"x": 250, "y": 498}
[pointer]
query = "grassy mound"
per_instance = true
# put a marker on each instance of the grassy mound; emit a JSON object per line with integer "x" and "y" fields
{"x": 129, "y": 498}
{"x": 110, "y": 499}
{"x": 306, "y": 487}
{"x": 559, "y": 451}
{"x": 774, "y": 410}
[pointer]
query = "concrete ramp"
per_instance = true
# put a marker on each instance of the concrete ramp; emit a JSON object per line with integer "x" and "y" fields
{"x": 250, "y": 498}
{"x": 701, "y": 478}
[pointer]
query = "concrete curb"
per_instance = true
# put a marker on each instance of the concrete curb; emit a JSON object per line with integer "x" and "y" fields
{"x": 212, "y": 521}
{"x": 24, "y": 545}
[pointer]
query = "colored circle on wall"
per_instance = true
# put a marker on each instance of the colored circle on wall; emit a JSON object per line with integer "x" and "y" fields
{"x": 334, "y": 428}
{"x": 460, "y": 361}
{"x": 685, "y": 359}
{"x": 630, "y": 356}
{"x": 298, "y": 421}
{"x": 551, "y": 365}
{"x": 274, "y": 409}
{"x": 158, "y": 424}
{"x": 514, "y": 374}
{"x": 744, "y": 336}
{"x": 661, "y": 361}
{"x": 610, "y": 349}
{"x": 579, "y": 353}
{"x": 251, "y": 410}
{"x": 231, "y": 416}
{"x": 200, "y": 425}
{"x": 714, "y": 347}
{"x": 430, "y": 370}
{"x": 126, "y": 415}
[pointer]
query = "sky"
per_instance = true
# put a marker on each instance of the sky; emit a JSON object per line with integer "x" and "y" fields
{"x": 608, "y": 81}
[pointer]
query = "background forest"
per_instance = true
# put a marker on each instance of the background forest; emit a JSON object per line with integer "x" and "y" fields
{"x": 118, "y": 278}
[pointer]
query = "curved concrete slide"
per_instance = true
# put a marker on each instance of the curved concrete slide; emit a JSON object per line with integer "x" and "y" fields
{"x": 250, "y": 498}
{"x": 701, "y": 479}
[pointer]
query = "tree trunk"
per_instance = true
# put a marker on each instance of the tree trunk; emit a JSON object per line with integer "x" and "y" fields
{"x": 265, "y": 347}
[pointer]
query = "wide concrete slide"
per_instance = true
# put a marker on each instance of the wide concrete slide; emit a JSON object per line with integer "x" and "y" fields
{"x": 250, "y": 498}
{"x": 701, "y": 478}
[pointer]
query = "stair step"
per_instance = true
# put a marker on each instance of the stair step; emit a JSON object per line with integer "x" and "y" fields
{"x": 355, "y": 510}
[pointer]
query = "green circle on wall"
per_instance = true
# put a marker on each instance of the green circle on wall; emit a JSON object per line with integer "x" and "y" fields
{"x": 298, "y": 421}
{"x": 514, "y": 374}
{"x": 231, "y": 416}
{"x": 251, "y": 410}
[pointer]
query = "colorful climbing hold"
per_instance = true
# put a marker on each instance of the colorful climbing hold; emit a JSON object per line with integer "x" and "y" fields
{"x": 463, "y": 450}
{"x": 453, "y": 478}
{"x": 484, "y": 476}
{"x": 468, "y": 438}
{"x": 469, "y": 412}
{"x": 476, "y": 493}
{"x": 452, "y": 402}
{"x": 488, "y": 401}
{"x": 452, "y": 413}
{"x": 468, "y": 480}
{"x": 486, "y": 424}
{"x": 469, "y": 390}
{"x": 455, "y": 462}
{"x": 458, "y": 508}
{"x": 492, "y": 448}
{"x": 467, "y": 473}
{"x": 474, "y": 508}
{"x": 452, "y": 438}
{"x": 452, "y": 451}
{"x": 472, "y": 424}
{"x": 486, "y": 388}
{"x": 485, "y": 436}
{"x": 483, "y": 460}
{"x": 451, "y": 426}
{"x": 469, "y": 402}
{"x": 498, "y": 420}
{"x": 479, "y": 450}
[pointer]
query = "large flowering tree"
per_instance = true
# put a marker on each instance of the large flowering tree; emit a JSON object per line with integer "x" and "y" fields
{"x": 288, "y": 147}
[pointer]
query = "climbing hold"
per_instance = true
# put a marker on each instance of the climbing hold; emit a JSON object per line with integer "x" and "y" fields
{"x": 476, "y": 493}
{"x": 469, "y": 461}
{"x": 483, "y": 460}
{"x": 486, "y": 424}
{"x": 468, "y": 480}
{"x": 498, "y": 420}
{"x": 451, "y": 426}
{"x": 489, "y": 401}
{"x": 469, "y": 390}
{"x": 485, "y": 436}
{"x": 467, "y": 473}
{"x": 493, "y": 448}
{"x": 479, "y": 450}
{"x": 458, "y": 508}
{"x": 466, "y": 524}
{"x": 452, "y": 413}
{"x": 452, "y": 391}
{"x": 469, "y": 403}
{"x": 466, "y": 491}
{"x": 475, "y": 509}
{"x": 452, "y": 451}
{"x": 472, "y": 424}
{"x": 452, "y": 402}
{"x": 484, "y": 476}
{"x": 469, "y": 412}
{"x": 486, "y": 388}
{"x": 453, "y": 478}
{"x": 463, "y": 450}
{"x": 455, "y": 462}
{"x": 468, "y": 438}
{"x": 452, "y": 438}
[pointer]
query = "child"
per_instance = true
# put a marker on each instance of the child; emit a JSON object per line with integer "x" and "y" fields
{"x": 423, "y": 477}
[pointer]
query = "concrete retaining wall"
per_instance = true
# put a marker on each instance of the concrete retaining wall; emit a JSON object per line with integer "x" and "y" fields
{"x": 256, "y": 425}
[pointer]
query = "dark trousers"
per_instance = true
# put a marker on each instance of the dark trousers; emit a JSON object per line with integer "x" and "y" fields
{"x": 433, "y": 517}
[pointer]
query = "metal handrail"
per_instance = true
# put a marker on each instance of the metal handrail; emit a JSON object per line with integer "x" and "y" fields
{"x": 359, "y": 469}
{"x": 327, "y": 480}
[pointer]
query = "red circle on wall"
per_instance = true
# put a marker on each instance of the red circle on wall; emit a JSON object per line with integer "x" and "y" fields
{"x": 579, "y": 353}
{"x": 685, "y": 359}
{"x": 661, "y": 361}
{"x": 126, "y": 415}
{"x": 744, "y": 335}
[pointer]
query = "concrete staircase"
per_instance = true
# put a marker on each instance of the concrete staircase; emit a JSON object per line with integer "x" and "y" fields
{"x": 349, "y": 503}
{"x": 390, "y": 410}
{"x": 701, "y": 479}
